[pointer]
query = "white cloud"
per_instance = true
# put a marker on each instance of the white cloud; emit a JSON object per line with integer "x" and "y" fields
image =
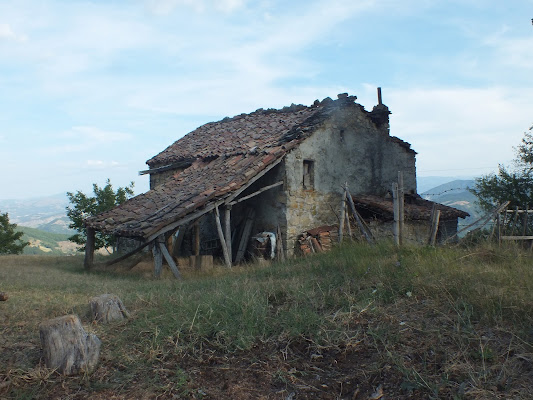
{"x": 6, "y": 33}
{"x": 466, "y": 129}
{"x": 100, "y": 164}
{"x": 165, "y": 7}
{"x": 82, "y": 138}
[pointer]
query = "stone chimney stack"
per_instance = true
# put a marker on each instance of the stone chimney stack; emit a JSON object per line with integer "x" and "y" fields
{"x": 380, "y": 115}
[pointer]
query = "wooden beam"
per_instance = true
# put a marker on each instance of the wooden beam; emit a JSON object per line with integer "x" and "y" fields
{"x": 168, "y": 167}
{"x": 125, "y": 256}
{"x": 184, "y": 220}
{"x": 256, "y": 193}
{"x": 251, "y": 181}
{"x": 89, "y": 248}
{"x": 178, "y": 240}
{"x": 227, "y": 228}
{"x": 517, "y": 237}
{"x": 221, "y": 237}
{"x": 196, "y": 243}
{"x": 168, "y": 258}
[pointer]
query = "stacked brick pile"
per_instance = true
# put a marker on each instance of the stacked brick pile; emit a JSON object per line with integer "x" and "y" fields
{"x": 318, "y": 239}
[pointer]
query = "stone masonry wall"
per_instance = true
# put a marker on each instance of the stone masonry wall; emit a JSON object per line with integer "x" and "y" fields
{"x": 348, "y": 147}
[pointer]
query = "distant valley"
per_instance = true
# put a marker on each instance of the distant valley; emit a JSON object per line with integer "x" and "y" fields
{"x": 45, "y": 224}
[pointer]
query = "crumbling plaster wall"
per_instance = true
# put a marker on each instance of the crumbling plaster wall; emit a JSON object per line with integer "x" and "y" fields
{"x": 347, "y": 147}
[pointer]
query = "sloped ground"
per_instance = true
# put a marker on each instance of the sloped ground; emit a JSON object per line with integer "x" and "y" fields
{"x": 360, "y": 323}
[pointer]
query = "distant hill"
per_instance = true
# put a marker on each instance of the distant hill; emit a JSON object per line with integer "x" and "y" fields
{"x": 455, "y": 194}
{"x": 42, "y": 242}
{"x": 427, "y": 183}
{"x": 44, "y": 213}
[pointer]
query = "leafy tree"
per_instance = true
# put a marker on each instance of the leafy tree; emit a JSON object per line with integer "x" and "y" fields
{"x": 510, "y": 184}
{"x": 10, "y": 239}
{"x": 84, "y": 206}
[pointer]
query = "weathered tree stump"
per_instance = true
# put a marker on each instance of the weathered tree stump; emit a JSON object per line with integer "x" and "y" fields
{"x": 107, "y": 307}
{"x": 67, "y": 347}
{"x": 3, "y": 296}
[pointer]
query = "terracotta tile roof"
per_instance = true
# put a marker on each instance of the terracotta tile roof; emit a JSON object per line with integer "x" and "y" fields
{"x": 416, "y": 208}
{"x": 260, "y": 129}
{"x": 190, "y": 190}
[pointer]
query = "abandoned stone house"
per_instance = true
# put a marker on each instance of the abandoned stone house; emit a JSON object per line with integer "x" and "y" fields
{"x": 275, "y": 171}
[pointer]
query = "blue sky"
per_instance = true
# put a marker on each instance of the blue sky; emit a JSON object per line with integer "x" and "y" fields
{"x": 90, "y": 90}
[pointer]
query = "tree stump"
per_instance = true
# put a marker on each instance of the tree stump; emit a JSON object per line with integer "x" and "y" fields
{"x": 67, "y": 347}
{"x": 107, "y": 307}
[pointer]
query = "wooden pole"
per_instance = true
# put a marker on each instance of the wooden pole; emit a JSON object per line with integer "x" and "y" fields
{"x": 221, "y": 237}
{"x": 364, "y": 229}
{"x": 343, "y": 216}
{"x": 349, "y": 227}
{"x": 396, "y": 208}
{"x": 227, "y": 226}
{"x": 401, "y": 201}
{"x": 89, "y": 249}
{"x": 435, "y": 218}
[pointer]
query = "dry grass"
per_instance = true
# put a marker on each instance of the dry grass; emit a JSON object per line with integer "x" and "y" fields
{"x": 418, "y": 323}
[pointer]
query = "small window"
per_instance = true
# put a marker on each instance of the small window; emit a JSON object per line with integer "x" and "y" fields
{"x": 309, "y": 175}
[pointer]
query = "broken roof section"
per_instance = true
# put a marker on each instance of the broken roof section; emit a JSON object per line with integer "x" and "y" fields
{"x": 225, "y": 157}
{"x": 416, "y": 208}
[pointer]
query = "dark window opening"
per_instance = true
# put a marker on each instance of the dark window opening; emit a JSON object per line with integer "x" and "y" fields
{"x": 309, "y": 175}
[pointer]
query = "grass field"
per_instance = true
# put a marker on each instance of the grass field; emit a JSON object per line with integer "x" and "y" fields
{"x": 358, "y": 322}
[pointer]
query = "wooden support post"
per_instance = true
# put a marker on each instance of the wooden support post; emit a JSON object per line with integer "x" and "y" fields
{"x": 396, "y": 208}
{"x": 221, "y": 237}
{"x": 168, "y": 258}
{"x": 227, "y": 227}
{"x": 401, "y": 205}
{"x": 158, "y": 259}
{"x": 349, "y": 226}
{"x": 245, "y": 236}
{"x": 343, "y": 216}
{"x": 89, "y": 249}
{"x": 435, "y": 218}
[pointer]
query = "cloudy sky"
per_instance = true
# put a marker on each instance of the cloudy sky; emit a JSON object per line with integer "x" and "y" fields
{"x": 90, "y": 90}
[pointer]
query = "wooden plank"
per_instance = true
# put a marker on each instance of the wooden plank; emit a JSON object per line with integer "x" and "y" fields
{"x": 168, "y": 258}
{"x": 227, "y": 227}
{"x": 158, "y": 259}
{"x": 221, "y": 237}
{"x": 517, "y": 237}
{"x": 527, "y": 211}
{"x": 89, "y": 248}
{"x": 245, "y": 236}
{"x": 256, "y": 193}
